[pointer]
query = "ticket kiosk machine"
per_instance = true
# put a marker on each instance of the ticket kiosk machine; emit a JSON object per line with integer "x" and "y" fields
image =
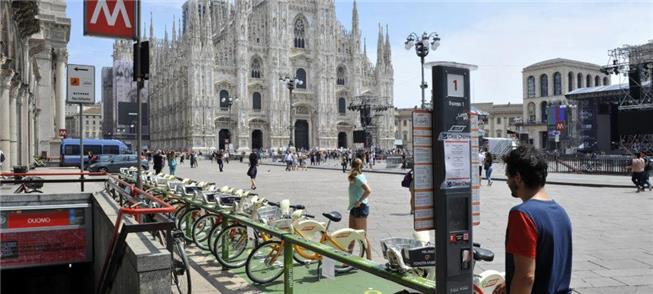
{"x": 452, "y": 181}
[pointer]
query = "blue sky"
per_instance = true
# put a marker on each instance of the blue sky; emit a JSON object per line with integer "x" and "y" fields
{"x": 501, "y": 37}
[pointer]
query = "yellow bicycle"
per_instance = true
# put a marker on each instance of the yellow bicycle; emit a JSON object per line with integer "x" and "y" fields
{"x": 265, "y": 262}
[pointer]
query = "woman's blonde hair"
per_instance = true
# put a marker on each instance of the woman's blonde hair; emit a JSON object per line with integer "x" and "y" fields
{"x": 356, "y": 169}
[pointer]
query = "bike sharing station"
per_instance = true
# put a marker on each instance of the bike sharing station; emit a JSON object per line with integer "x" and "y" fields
{"x": 447, "y": 190}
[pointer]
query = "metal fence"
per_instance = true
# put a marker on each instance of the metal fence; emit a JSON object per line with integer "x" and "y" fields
{"x": 589, "y": 164}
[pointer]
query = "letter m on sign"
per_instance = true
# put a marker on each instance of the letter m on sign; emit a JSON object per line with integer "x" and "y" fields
{"x": 111, "y": 18}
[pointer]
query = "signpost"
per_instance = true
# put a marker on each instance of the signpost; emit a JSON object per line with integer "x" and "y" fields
{"x": 120, "y": 19}
{"x": 452, "y": 177}
{"x": 80, "y": 89}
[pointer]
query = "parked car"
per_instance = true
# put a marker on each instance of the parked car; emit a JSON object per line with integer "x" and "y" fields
{"x": 113, "y": 163}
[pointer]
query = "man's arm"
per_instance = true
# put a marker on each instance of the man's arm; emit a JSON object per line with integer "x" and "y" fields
{"x": 524, "y": 277}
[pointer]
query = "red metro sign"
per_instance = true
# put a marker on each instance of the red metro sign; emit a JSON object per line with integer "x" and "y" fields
{"x": 111, "y": 18}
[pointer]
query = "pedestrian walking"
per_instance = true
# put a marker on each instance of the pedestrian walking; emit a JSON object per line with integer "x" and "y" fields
{"x": 409, "y": 182}
{"x": 648, "y": 167}
{"x": 481, "y": 161}
{"x": 251, "y": 172}
{"x": 193, "y": 159}
{"x": 359, "y": 193}
{"x": 539, "y": 235}
{"x": 637, "y": 167}
{"x": 172, "y": 162}
{"x": 487, "y": 165}
{"x": 288, "y": 160}
{"x": 158, "y": 162}
{"x": 218, "y": 158}
{"x": 343, "y": 163}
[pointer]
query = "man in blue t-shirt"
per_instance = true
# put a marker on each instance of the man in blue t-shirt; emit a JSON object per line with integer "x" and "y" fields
{"x": 538, "y": 237}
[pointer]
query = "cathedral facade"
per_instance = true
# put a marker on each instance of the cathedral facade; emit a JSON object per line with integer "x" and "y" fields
{"x": 216, "y": 81}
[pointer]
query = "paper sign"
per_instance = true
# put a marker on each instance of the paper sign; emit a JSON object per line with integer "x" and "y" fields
{"x": 328, "y": 269}
{"x": 423, "y": 170}
{"x": 456, "y": 164}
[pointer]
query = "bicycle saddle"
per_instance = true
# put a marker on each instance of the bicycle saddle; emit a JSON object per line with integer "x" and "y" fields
{"x": 483, "y": 254}
{"x": 333, "y": 216}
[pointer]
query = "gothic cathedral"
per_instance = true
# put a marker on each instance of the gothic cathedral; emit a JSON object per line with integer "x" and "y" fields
{"x": 216, "y": 82}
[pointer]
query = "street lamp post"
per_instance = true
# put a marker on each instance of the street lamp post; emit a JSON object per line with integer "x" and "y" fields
{"x": 229, "y": 101}
{"x": 291, "y": 83}
{"x": 421, "y": 44}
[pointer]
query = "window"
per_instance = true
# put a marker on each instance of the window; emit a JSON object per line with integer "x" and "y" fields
{"x": 544, "y": 85}
{"x": 499, "y": 133}
{"x": 588, "y": 81}
{"x": 96, "y": 149}
{"x": 597, "y": 81}
{"x": 405, "y": 136}
{"x": 108, "y": 149}
{"x": 570, "y": 81}
{"x": 531, "y": 112}
{"x": 342, "y": 105}
{"x": 301, "y": 75}
{"x": 405, "y": 123}
{"x": 543, "y": 111}
{"x": 256, "y": 68}
{"x": 256, "y": 101}
{"x": 340, "y": 76}
{"x": 71, "y": 150}
{"x": 498, "y": 120}
{"x": 300, "y": 31}
{"x": 224, "y": 94}
{"x": 557, "y": 84}
{"x": 606, "y": 81}
{"x": 531, "y": 86}
{"x": 579, "y": 80}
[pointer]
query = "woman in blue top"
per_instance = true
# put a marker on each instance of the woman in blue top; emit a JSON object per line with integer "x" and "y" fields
{"x": 172, "y": 162}
{"x": 359, "y": 192}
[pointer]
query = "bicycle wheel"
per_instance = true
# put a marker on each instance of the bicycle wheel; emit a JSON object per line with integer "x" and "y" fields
{"x": 265, "y": 263}
{"x": 201, "y": 229}
{"x": 180, "y": 269}
{"x": 230, "y": 246}
{"x": 356, "y": 248}
{"x": 185, "y": 222}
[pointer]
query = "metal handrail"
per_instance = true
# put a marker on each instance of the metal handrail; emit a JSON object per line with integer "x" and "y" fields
{"x": 119, "y": 236}
{"x": 289, "y": 239}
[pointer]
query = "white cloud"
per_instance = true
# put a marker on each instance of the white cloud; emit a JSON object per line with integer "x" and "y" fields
{"x": 502, "y": 45}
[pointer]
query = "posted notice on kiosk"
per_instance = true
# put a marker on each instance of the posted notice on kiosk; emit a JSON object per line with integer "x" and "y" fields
{"x": 457, "y": 164}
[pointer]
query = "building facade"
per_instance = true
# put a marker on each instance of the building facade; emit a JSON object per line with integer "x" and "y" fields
{"x": 223, "y": 50}
{"x": 91, "y": 119}
{"x": 501, "y": 119}
{"x": 545, "y": 85}
{"x": 33, "y": 56}
{"x": 120, "y": 108}
{"x": 404, "y": 127}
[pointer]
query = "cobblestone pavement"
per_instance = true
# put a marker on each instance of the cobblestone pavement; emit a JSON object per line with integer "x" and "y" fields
{"x": 613, "y": 227}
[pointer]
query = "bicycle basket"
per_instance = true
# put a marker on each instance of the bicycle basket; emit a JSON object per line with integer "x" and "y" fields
{"x": 268, "y": 214}
{"x": 281, "y": 224}
{"x": 413, "y": 252}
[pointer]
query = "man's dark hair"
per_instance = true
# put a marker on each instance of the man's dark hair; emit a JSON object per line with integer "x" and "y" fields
{"x": 529, "y": 163}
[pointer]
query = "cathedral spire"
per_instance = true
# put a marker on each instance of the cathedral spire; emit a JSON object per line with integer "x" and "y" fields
{"x": 151, "y": 27}
{"x": 195, "y": 19}
{"x": 388, "y": 51}
{"x": 365, "y": 48}
{"x": 165, "y": 35}
{"x": 208, "y": 23}
{"x": 354, "y": 20}
{"x": 174, "y": 30}
{"x": 379, "y": 47}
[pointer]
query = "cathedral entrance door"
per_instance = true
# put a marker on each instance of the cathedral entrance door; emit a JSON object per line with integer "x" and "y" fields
{"x": 342, "y": 140}
{"x": 257, "y": 139}
{"x": 224, "y": 138}
{"x": 301, "y": 134}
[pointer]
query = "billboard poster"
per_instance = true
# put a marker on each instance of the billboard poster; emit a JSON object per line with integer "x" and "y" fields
{"x": 557, "y": 121}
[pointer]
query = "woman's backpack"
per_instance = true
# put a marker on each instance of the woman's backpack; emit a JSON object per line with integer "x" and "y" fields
{"x": 408, "y": 178}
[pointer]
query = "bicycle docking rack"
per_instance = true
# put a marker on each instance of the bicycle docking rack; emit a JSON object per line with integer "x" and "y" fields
{"x": 118, "y": 245}
{"x": 33, "y": 181}
{"x": 289, "y": 240}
